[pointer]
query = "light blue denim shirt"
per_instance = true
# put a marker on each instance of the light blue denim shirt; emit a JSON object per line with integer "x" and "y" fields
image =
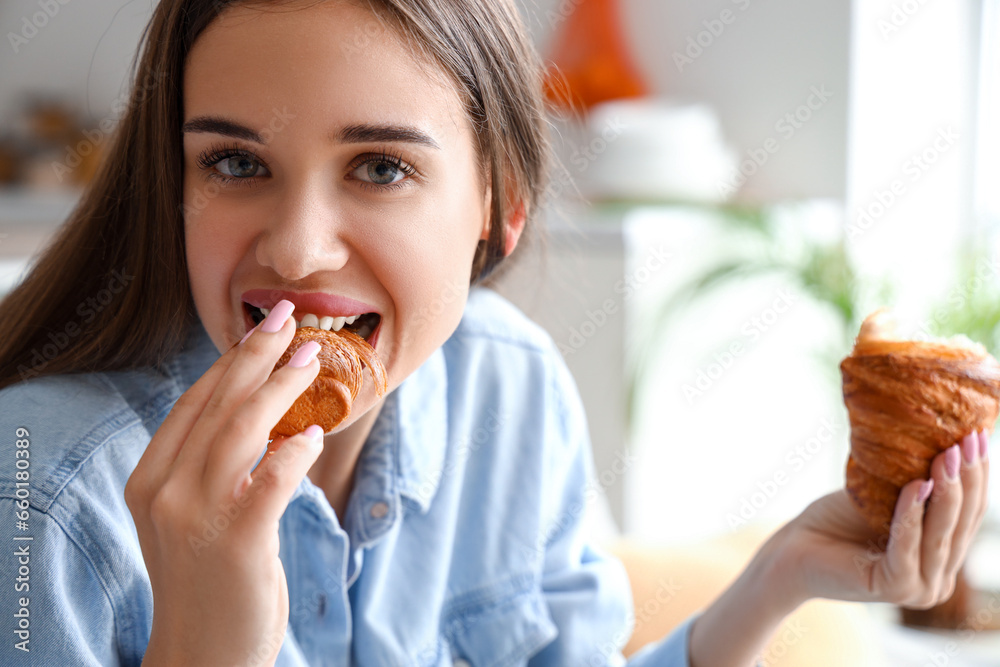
{"x": 461, "y": 542}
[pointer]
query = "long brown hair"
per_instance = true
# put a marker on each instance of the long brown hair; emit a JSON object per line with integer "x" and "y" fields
{"x": 111, "y": 289}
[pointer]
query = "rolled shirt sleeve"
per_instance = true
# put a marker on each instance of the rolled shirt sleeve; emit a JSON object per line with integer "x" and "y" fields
{"x": 671, "y": 650}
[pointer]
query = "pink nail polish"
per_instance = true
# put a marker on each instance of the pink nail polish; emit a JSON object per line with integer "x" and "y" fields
{"x": 951, "y": 462}
{"x": 304, "y": 355}
{"x": 315, "y": 431}
{"x": 277, "y": 317}
{"x": 246, "y": 335}
{"x": 925, "y": 491}
{"x": 970, "y": 448}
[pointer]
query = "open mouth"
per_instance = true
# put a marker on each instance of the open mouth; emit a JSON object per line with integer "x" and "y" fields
{"x": 364, "y": 325}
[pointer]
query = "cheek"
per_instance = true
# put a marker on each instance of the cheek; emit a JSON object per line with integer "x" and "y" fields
{"x": 212, "y": 251}
{"x": 424, "y": 261}
{"x": 214, "y": 227}
{"x": 208, "y": 255}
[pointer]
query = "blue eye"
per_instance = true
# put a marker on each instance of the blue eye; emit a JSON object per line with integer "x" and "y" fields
{"x": 381, "y": 170}
{"x": 232, "y": 165}
{"x": 239, "y": 166}
{"x": 382, "y": 173}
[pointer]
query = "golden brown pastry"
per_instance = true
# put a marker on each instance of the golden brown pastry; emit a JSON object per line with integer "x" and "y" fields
{"x": 908, "y": 401}
{"x": 343, "y": 356}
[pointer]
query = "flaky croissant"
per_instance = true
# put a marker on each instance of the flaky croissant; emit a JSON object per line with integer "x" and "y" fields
{"x": 343, "y": 356}
{"x": 908, "y": 401}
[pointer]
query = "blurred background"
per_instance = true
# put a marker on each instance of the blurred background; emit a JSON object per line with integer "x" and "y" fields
{"x": 741, "y": 182}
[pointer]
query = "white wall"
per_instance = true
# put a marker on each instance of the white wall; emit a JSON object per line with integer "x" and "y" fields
{"x": 913, "y": 133}
{"x": 81, "y": 52}
{"x": 760, "y": 67}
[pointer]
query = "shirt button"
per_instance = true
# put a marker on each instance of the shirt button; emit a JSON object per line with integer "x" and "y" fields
{"x": 379, "y": 510}
{"x": 461, "y": 663}
{"x": 321, "y": 607}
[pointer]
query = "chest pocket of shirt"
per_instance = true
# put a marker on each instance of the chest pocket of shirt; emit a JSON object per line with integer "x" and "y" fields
{"x": 502, "y": 633}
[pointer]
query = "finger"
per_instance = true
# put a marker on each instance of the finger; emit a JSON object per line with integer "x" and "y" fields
{"x": 984, "y": 458}
{"x": 254, "y": 361}
{"x": 231, "y": 457}
{"x": 277, "y": 476}
{"x": 894, "y": 575}
{"x": 155, "y": 462}
{"x": 974, "y": 506}
{"x": 943, "y": 512}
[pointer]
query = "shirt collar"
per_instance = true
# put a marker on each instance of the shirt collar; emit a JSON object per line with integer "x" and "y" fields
{"x": 403, "y": 458}
{"x": 404, "y": 454}
{"x": 422, "y": 433}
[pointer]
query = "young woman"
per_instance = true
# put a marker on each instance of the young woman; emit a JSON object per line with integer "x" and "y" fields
{"x": 353, "y": 162}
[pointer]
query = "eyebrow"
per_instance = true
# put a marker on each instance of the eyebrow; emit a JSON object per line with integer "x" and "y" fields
{"x": 364, "y": 133}
{"x": 223, "y": 126}
{"x": 352, "y": 134}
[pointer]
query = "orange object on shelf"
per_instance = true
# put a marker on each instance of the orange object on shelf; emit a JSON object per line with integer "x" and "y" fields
{"x": 591, "y": 63}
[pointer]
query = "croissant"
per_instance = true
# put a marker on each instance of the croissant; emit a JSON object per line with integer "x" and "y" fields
{"x": 907, "y": 401}
{"x": 343, "y": 356}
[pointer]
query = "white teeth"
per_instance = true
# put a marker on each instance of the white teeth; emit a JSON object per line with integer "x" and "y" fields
{"x": 327, "y": 322}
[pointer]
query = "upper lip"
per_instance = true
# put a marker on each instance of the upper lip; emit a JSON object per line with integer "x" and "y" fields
{"x": 317, "y": 303}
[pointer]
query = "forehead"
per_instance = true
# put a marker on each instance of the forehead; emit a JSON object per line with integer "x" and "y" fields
{"x": 324, "y": 63}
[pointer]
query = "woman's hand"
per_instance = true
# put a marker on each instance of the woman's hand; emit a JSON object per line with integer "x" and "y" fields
{"x": 207, "y": 528}
{"x": 830, "y": 551}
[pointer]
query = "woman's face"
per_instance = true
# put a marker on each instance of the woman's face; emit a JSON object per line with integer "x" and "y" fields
{"x": 325, "y": 164}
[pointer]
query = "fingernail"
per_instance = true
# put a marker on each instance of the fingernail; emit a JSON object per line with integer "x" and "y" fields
{"x": 951, "y": 462}
{"x": 925, "y": 490}
{"x": 277, "y": 317}
{"x": 984, "y": 441}
{"x": 970, "y": 448}
{"x": 315, "y": 432}
{"x": 304, "y": 355}
{"x": 246, "y": 335}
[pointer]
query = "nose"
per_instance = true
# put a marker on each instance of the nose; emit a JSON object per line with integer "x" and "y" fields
{"x": 305, "y": 235}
